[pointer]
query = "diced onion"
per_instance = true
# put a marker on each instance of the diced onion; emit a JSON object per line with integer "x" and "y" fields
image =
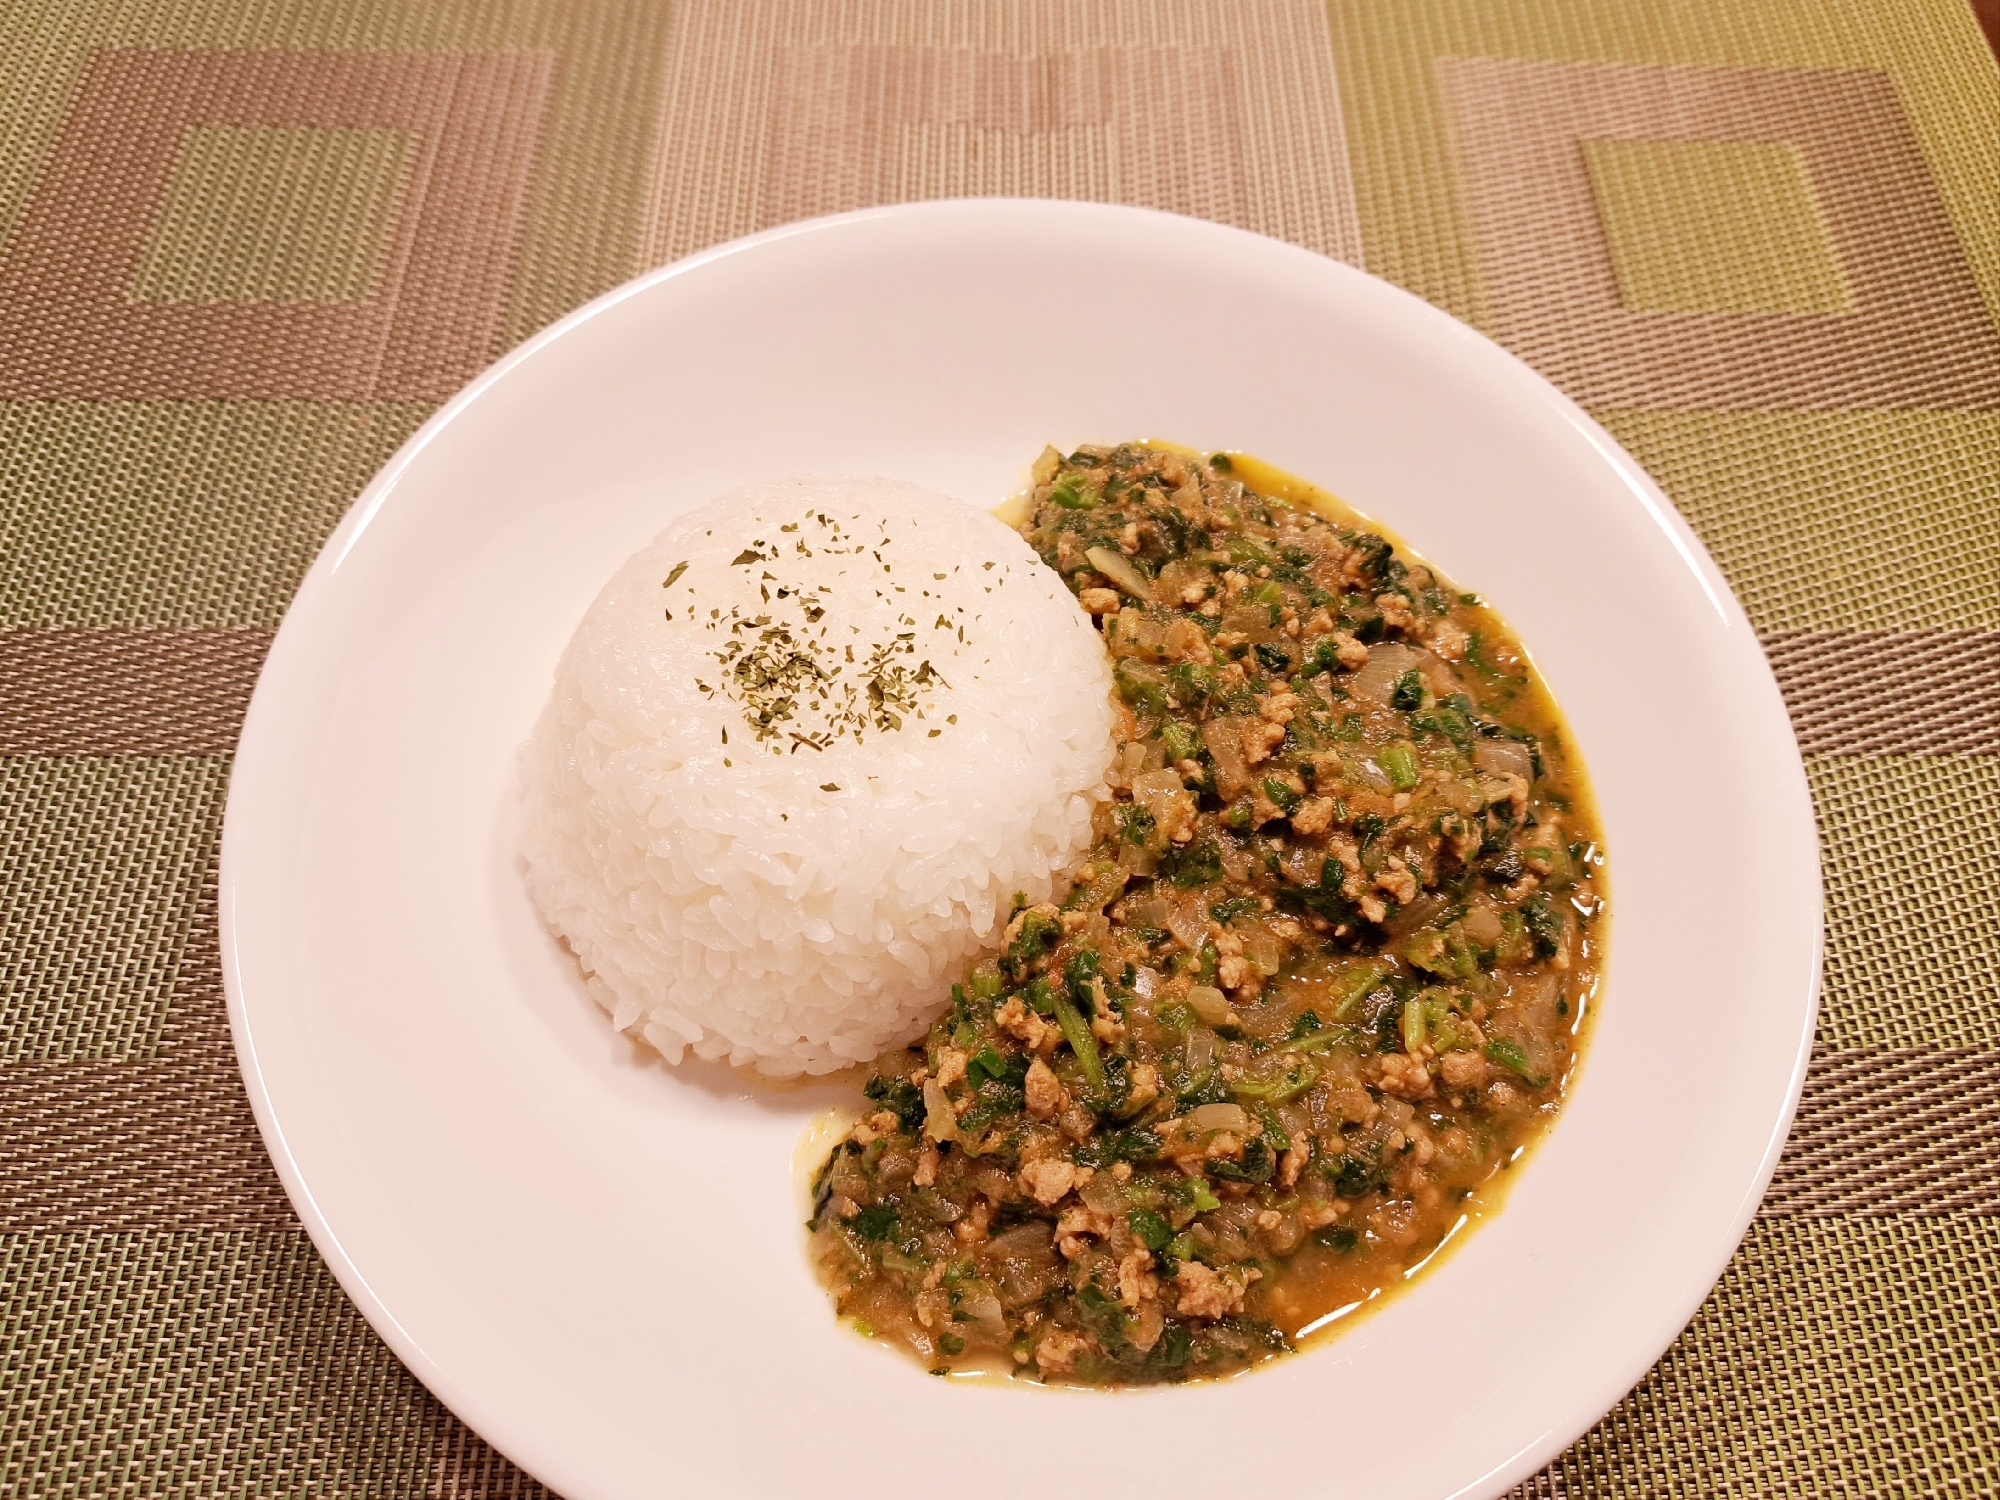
{"x": 1219, "y": 1117}
{"x": 1373, "y": 775}
{"x": 940, "y": 1124}
{"x": 985, "y": 1310}
{"x": 1224, "y": 738}
{"x": 1507, "y": 757}
{"x": 1208, "y": 1002}
{"x": 1262, "y": 948}
{"x": 1482, "y": 925}
{"x": 1251, "y": 621}
{"x": 1178, "y": 577}
{"x": 1417, "y": 914}
{"x": 1116, "y": 567}
{"x": 1187, "y": 920}
{"x": 1104, "y": 1194}
{"x": 1030, "y": 1241}
{"x": 1387, "y": 661}
{"x": 1161, "y": 794}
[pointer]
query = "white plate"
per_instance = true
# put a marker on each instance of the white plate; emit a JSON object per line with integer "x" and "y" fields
{"x": 598, "y": 1263}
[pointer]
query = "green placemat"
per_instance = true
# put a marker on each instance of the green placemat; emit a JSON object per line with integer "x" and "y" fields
{"x": 245, "y": 249}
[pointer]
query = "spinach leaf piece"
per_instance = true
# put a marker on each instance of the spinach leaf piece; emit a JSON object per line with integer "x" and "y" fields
{"x": 876, "y": 1223}
{"x": 901, "y": 1098}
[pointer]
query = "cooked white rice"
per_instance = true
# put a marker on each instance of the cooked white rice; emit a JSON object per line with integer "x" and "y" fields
{"x": 801, "y": 906}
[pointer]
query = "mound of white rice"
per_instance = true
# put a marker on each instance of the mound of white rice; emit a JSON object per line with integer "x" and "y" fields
{"x": 777, "y": 804}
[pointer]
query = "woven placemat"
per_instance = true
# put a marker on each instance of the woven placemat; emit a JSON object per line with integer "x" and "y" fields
{"x": 245, "y": 249}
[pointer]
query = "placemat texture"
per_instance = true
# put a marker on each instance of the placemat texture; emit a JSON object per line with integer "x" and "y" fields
{"x": 245, "y": 248}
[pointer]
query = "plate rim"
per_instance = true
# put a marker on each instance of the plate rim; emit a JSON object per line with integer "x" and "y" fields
{"x": 260, "y": 730}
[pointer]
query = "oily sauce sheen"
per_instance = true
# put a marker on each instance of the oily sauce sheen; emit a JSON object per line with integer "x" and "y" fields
{"x": 1321, "y": 978}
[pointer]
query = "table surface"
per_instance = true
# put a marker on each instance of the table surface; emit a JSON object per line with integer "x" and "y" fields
{"x": 246, "y": 248}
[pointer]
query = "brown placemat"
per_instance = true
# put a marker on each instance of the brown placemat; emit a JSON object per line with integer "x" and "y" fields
{"x": 245, "y": 249}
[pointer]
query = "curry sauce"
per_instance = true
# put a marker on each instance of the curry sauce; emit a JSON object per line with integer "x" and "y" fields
{"x": 1321, "y": 978}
